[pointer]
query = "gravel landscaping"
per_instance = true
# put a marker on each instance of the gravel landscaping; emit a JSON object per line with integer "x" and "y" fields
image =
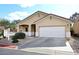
{"x": 74, "y": 42}
{"x": 20, "y": 43}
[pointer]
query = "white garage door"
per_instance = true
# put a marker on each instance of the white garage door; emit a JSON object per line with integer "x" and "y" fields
{"x": 52, "y": 32}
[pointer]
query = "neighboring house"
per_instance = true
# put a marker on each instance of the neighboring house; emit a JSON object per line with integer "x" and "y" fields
{"x": 42, "y": 24}
{"x": 76, "y": 27}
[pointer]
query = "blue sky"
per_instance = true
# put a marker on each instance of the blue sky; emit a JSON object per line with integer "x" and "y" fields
{"x": 20, "y": 11}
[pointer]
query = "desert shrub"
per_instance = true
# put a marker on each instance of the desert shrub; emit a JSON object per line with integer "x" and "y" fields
{"x": 19, "y": 35}
{"x": 14, "y": 39}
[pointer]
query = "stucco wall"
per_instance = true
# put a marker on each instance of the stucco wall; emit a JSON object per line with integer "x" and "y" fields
{"x": 32, "y": 18}
{"x": 76, "y": 27}
{"x": 28, "y": 21}
{"x": 53, "y": 21}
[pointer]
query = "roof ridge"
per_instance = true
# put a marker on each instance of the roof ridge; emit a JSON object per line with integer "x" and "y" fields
{"x": 44, "y": 16}
{"x": 31, "y": 15}
{"x": 55, "y": 15}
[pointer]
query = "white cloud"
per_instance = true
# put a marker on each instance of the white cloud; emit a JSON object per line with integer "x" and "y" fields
{"x": 26, "y": 3}
{"x": 17, "y": 15}
{"x": 29, "y": 3}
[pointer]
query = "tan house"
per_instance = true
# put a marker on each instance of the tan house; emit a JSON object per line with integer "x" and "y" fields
{"x": 76, "y": 27}
{"x": 42, "y": 24}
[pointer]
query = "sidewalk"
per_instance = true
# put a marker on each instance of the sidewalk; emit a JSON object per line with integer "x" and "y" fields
{"x": 52, "y": 50}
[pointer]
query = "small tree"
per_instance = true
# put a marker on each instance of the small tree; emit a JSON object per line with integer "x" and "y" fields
{"x": 13, "y": 25}
{"x": 4, "y": 22}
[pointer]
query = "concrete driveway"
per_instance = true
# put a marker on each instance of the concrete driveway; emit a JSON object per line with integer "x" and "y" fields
{"x": 48, "y": 46}
{"x": 45, "y": 42}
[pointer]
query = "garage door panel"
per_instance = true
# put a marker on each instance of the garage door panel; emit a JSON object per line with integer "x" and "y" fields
{"x": 52, "y": 32}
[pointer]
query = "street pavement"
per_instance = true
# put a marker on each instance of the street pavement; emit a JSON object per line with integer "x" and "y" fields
{"x": 4, "y": 51}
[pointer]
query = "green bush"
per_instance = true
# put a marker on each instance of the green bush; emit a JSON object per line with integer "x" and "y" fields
{"x": 19, "y": 35}
{"x": 14, "y": 39}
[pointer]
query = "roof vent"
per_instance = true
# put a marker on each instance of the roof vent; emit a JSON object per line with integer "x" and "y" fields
{"x": 38, "y": 14}
{"x": 50, "y": 17}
